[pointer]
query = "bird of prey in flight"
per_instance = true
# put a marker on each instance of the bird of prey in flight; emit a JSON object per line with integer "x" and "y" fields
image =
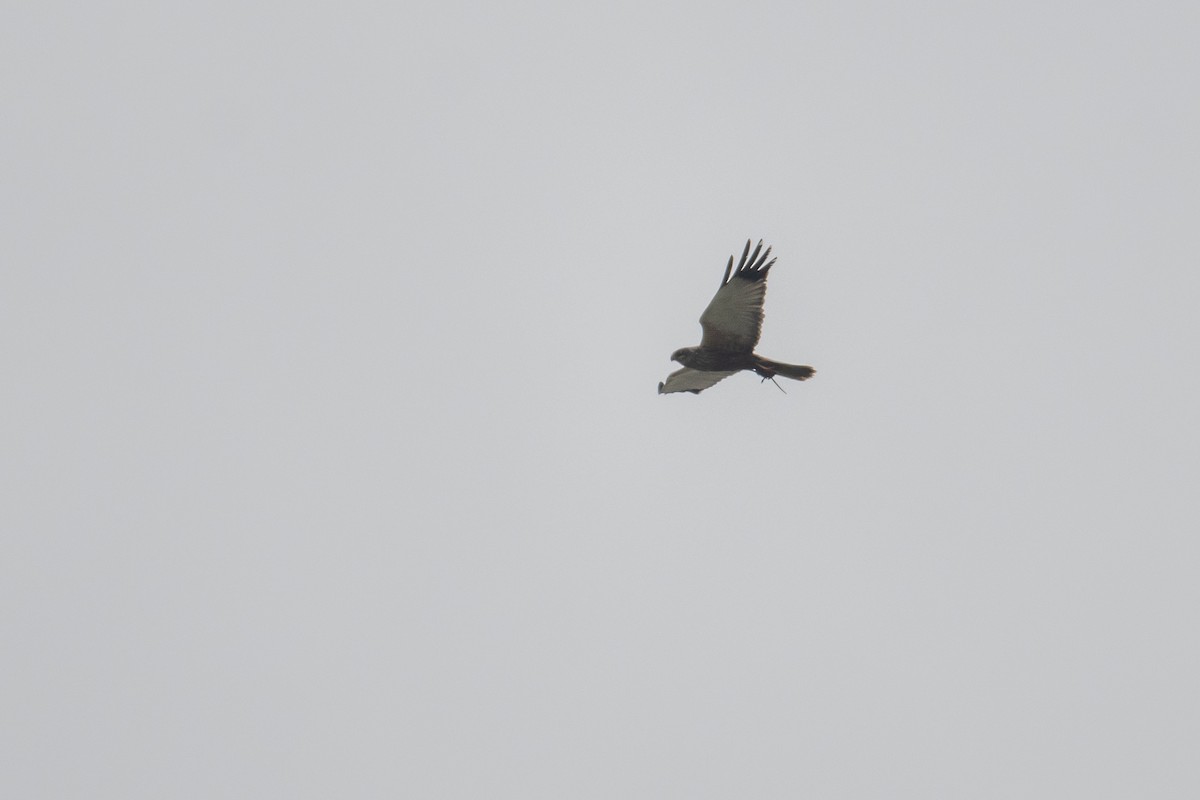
{"x": 732, "y": 324}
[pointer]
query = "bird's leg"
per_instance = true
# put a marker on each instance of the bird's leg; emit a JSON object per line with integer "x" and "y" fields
{"x": 777, "y": 386}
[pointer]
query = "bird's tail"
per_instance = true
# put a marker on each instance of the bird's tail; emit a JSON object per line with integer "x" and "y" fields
{"x": 766, "y": 368}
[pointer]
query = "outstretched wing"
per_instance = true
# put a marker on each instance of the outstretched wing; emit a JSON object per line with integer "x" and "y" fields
{"x": 733, "y": 319}
{"x": 691, "y": 380}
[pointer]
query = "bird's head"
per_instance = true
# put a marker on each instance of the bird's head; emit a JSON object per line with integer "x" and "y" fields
{"x": 683, "y": 355}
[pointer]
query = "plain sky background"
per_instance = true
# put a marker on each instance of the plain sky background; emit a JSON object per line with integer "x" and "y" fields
{"x": 333, "y": 464}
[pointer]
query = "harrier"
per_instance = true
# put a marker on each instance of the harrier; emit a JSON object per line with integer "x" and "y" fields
{"x": 732, "y": 324}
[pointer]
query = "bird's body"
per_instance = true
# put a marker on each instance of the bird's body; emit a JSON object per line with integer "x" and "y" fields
{"x": 732, "y": 323}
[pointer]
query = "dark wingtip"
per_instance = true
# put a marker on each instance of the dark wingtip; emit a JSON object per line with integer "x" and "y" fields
{"x": 751, "y": 267}
{"x": 660, "y": 387}
{"x": 745, "y": 253}
{"x": 759, "y": 264}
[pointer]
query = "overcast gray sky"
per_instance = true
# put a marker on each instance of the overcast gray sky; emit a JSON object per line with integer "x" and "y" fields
{"x": 332, "y": 459}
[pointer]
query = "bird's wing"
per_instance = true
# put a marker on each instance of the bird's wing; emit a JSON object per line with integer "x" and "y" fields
{"x": 691, "y": 380}
{"x": 733, "y": 319}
